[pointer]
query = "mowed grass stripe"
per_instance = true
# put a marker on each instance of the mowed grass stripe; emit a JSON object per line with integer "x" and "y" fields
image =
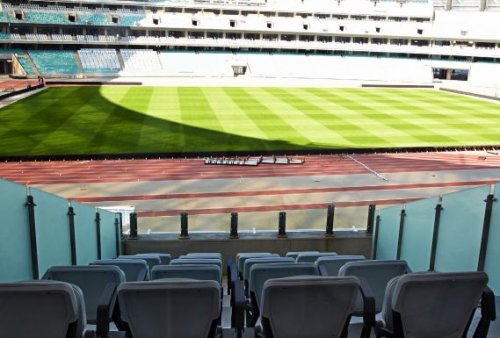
{"x": 340, "y": 129}
{"x": 272, "y": 124}
{"x": 196, "y": 110}
{"x": 315, "y": 131}
{"x": 450, "y": 126}
{"x": 92, "y": 120}
{"x": 362, "y": 105}
{"x": 39, "y": 119}
{"x": 236, "y": 121}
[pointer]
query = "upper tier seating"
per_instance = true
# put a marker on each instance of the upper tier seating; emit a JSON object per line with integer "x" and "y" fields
{"x": 41, "y": 309}
{"x": 55, "y": 62}
{"x": 45, "y": 17}
{"x": 171, "y": 308}
{"x": 141, "y": 61}
{"x": 99, "y": 60}
{"x": 435, "y": 305}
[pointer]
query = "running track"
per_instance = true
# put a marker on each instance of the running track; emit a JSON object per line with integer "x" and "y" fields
{"x": 151, "y": 204}
{"x": 183, "y": 169}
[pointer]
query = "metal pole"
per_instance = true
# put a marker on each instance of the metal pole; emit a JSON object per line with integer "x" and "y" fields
{"x": 72, "y": 236}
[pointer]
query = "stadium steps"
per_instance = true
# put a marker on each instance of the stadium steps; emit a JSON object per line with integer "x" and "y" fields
{"x": 78, "y": 62}
{"x": 120, "y": 59}
{"x": 35, "y": 68}
{"x": 22, "y": 59}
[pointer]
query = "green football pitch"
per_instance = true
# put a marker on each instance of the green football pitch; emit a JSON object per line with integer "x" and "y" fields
{"x": 135, "y": 119}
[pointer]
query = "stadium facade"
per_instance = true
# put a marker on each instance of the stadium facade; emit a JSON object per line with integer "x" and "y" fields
{"x": 395, "y": 41}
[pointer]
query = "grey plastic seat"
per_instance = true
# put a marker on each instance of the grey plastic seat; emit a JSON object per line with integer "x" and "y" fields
{"x": 332, "y": 264}
{"x": 93, "y": 280}
{"x": 208, "y": 261}
{"x": 377, "y": 274}
{"x": 135, "y": 270}
{"x": 297, "y": 307}
{"x": 170, "y": 308}
{"x": 164, "y": 257}
{"x": 243, "y": 256}
{"x": 294, "y": 254}
{"x": 436, "y": 305}
{"x": 205, "y": 255}
{"x": 260, "y": 273}
{"x": 311, "y": 257}
{"x": 263, "y": 260}
{"x": 41, "y": 309}
{"x": 151, "y": 259}
{"x": 191, "y": 271}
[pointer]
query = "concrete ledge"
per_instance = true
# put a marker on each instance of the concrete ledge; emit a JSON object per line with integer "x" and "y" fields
{"x": 343, "y": 243}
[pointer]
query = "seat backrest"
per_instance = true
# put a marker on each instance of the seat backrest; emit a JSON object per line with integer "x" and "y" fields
{"x": 332, "y": 264}
{"x": 435, "y": 305}
{"x": 164, "y": 257}
{"x": 91, "y": 279}
{"x": 263, "y": 260}
{"x": 41, "y": 309}
{"x": 205, "y": 255}
{"x": 319, "y": 307}
{"x": 377, "y": 274}
{"x": 311, "y": 257}
{"x": 294, "y": 254}
{"x": 170, "y": 308}
{"x": 243, "y": 256}
{"x": 209, "y": 261}
{"x": 134, "y": 269}
{"x": 191, "y": 271}
{"x": 151, "y": 259}
{"x": 260, "y": 273}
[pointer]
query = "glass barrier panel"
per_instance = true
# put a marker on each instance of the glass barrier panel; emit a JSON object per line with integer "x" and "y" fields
{"x": 52, "y": 230}
{"x": 15, "y": 249}
{"x": 417, "y": 233}
{"x": 460, "y": 230}
{"x": 85, "y": 233}
{"x": 108, "y": 234}
{"x": 388, "y": 232}
{"x": 491, "y": 265}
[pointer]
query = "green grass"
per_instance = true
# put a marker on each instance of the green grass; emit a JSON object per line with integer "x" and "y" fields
{"x": 103, "y": 120}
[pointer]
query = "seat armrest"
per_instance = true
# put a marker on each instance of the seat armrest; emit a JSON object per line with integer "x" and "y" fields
{"x": 232, "y": 274}
{"x": 488, "y": 313}
{"x": 104, "y": 310}
{"x": 238, "y": 302}
{"x": 142, "y": 275}
{"x": 322, "y": 270}
{"x": 368, "y": 307}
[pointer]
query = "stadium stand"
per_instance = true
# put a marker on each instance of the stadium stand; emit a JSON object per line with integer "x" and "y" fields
{"x": 55, "y": 62}
{"x": 140, "y": 61}
{"x": 99, "y": 60}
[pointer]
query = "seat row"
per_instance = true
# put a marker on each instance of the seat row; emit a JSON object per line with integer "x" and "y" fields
{"x": 153, "y": 295}
{"x": 350, "y": 285}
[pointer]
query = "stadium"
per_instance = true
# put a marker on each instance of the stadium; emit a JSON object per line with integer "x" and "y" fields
{"x": 249, "y": 168}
